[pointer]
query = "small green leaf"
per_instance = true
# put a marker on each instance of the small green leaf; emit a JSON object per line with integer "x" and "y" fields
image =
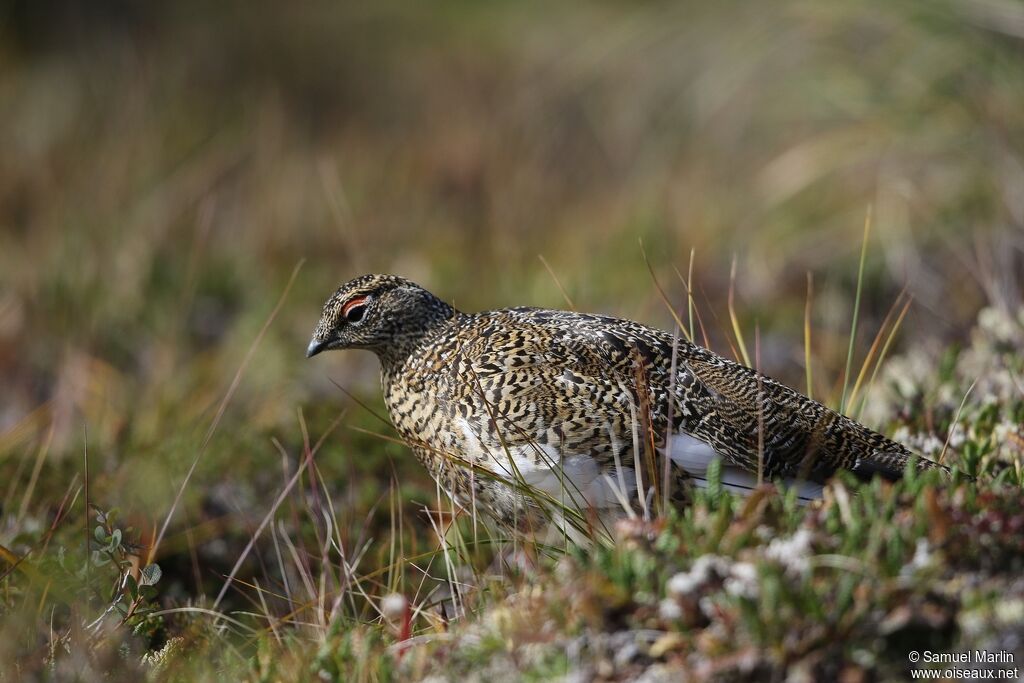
{"x": 101, "y": 534}
{"x": 132, "y": 586}
{"x": 714, "y": 479}
{"x": 150, "y": 575}
{"x": 115, "y": 539}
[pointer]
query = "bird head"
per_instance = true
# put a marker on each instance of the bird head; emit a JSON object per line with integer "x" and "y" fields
{"x": 382, "y": 313}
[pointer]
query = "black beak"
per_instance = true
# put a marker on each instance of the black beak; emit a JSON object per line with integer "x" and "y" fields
{"x": 315, "y": 347}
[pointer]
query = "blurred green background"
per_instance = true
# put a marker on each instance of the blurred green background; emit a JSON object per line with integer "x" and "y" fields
{"x": 165, "y": 167}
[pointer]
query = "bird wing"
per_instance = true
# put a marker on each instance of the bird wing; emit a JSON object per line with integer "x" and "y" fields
{"x": 789, "y": 434}
{"x": 752, "y": 420}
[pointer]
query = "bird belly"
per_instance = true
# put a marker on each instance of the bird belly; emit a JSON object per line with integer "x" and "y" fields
{"x": 571, "y": 480}
{"x": 695, "y": 456}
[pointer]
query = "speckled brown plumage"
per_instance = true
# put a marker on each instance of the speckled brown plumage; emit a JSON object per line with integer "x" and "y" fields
{"x": 564, "y": 400}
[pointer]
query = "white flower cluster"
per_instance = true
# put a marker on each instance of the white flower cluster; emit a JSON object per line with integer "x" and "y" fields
{"x": 793, "y": 553}
{"x": 923, "y": 558}
{"x": 989, "y": 374}
{"x": 708, "y": 572}
{"x": 393, "y": 606}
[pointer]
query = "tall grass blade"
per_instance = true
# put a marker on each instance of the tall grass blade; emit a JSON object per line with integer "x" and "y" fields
{"x": 883, "y": 354}
{"x": 558, "y": 283}
{"x": 661, "y": 291}
{"x": 807, "y": 335}
{"x": 956, "y": 420}
{"x": 745, "y": 357}
{"x": 222, "y": 407}
{"x": 689, "y": 291}
{"x": 856, "y": 309}
{"x": 873, "y": 349}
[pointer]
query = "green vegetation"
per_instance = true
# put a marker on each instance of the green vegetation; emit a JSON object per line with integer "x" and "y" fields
{"x": 184, "y": 497}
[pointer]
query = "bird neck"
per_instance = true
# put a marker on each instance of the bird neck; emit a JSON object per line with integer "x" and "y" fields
{"x": 416, "y": 327}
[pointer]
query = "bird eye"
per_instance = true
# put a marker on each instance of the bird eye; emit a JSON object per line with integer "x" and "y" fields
{"x": 355, "y": 313}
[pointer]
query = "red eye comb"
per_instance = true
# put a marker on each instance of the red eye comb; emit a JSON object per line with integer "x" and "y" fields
{"x": 352, "y": 303}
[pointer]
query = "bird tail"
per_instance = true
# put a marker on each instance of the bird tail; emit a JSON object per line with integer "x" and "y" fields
{"x": 892, "y": 465}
